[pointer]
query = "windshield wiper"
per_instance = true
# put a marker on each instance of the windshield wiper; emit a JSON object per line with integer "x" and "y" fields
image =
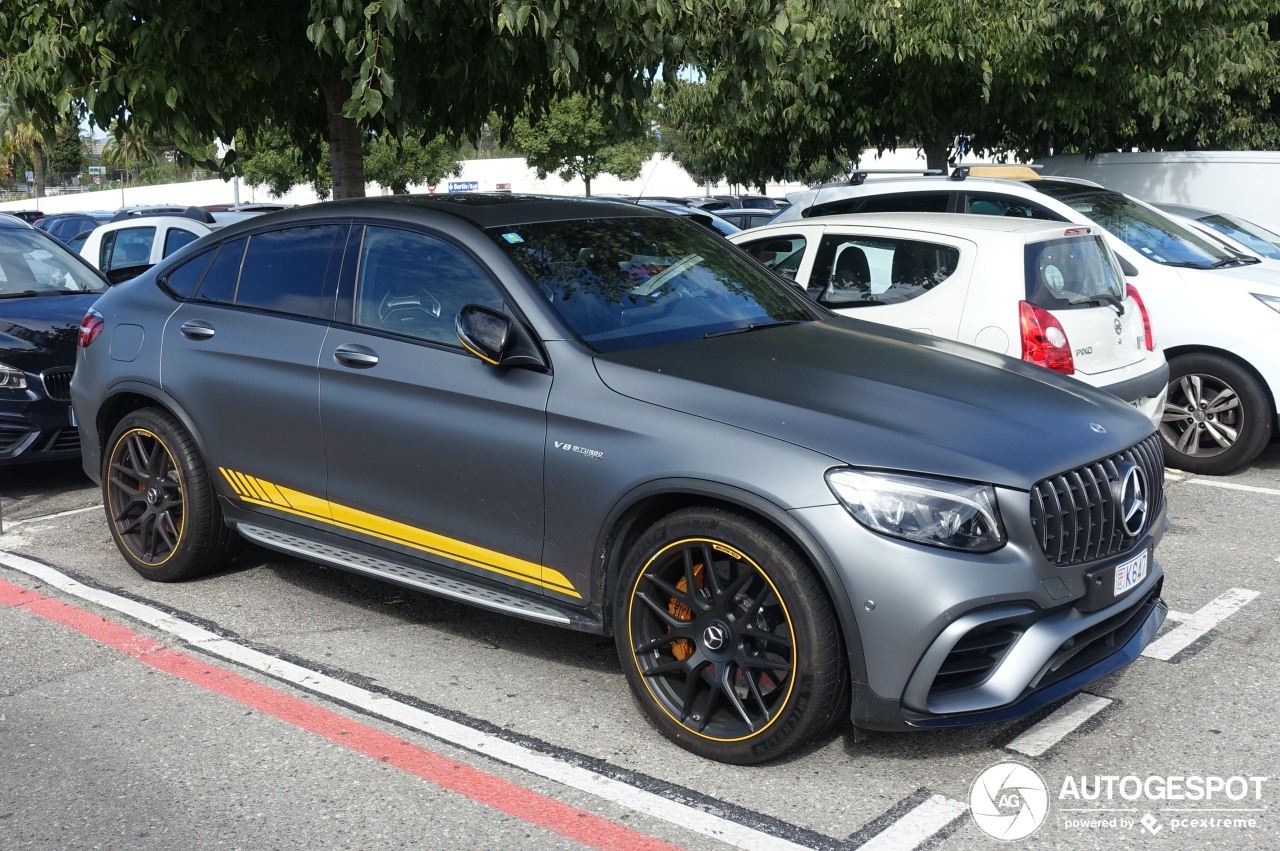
{"x": 1106, "y": 298}
{"x": 1237, "y": 260}
{"x": 750, "y": 327}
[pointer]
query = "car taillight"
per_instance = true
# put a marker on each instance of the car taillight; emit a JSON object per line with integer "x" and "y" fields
{"x": 1044, "y": 343}
{"x": 1132, "y": 292}
{"x": 90, "y": 327}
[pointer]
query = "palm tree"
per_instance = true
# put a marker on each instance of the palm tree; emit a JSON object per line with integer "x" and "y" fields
{"x": 22, "y": 138}
{"x": 127, "y": 147}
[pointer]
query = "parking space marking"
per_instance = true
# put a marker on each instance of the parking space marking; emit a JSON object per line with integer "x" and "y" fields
{"x": 532, "y": 807}
{"x": 921, "y": 823}
{"x": 1065, "y": 719}
{"x": 1232, "y": 486}
{"x": 452, "y": 732}
{"x": 68, "y": 513}
{"x": 1194, "y": 626}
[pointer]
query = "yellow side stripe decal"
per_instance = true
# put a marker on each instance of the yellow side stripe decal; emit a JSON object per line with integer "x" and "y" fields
{"x": 269, "y": 495}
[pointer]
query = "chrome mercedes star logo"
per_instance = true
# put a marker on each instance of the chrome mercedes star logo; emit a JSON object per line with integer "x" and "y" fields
{"x": 713, "y": 636}
{"x": 1098, "y": 427}
{"x": 1132, "y": 499}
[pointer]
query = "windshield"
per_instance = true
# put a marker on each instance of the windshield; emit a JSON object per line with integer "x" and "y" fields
{"x": 633, "y": 282}
{"x": 32, "y": 263}
{"x": 1254, "y": 237}
{"x": 1151, "y": 233}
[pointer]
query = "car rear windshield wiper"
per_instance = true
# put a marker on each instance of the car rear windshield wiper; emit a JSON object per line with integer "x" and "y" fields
{"x": 754, "y": 326}
{"x": 1105, "y": 298}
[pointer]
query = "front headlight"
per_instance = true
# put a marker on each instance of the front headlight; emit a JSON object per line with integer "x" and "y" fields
{"x": 12, "y": 379}
{"x": 935, "y": 512}
{"x": 1270, "y": 301}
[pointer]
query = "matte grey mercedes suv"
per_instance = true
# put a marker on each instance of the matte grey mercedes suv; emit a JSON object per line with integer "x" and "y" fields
{"x": 601, "y": 416}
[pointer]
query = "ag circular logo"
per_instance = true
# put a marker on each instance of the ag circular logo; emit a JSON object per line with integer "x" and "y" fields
{"x": 1009, "y": 801}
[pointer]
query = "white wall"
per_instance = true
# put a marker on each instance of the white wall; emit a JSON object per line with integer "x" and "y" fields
{"x": 659, "y": 177}
{"x": 1245, "y": 183}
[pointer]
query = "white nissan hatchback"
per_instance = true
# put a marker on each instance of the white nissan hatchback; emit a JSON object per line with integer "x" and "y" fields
{"x": 1050, "y": 293}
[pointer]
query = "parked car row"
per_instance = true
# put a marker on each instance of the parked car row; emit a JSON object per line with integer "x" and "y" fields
{"x": 1212, "y": 303}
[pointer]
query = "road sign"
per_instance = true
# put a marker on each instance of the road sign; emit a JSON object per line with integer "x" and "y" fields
{"x": 97, "y": 169}
{"x": 464, "y": 185}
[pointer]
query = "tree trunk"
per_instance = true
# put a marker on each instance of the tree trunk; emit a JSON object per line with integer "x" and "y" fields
{"x": 346, "y": 154}
{"x": 586, "y": 181}
{"x": 37, "y": 167}
{"x": 935, "y": 154}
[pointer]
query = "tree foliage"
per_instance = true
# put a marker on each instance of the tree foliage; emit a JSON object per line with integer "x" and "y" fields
{"x": 583, "y": 137}
{"x": 331, "y": 71}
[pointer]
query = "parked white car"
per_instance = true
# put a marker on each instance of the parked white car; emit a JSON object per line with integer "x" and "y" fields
{"x": 1050, "y": 294}
{"x": 139, "y": 242}
{"x": 1216, "y": 314}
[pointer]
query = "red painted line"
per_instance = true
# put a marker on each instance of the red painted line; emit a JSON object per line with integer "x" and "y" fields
{"x": 525, "y": 804}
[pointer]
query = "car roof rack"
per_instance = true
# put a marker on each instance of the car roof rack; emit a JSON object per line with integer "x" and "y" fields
{"x": 859, "y": 176}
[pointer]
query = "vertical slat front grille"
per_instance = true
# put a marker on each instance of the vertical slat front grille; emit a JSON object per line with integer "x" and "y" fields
{"x": 1075, "y": 514}
{"x": 57, "y": 383}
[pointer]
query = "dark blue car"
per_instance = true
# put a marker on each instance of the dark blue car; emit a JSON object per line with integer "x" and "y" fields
{"x": 45, "y": 290}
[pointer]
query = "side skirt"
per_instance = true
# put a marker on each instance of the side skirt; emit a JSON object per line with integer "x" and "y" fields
{"x": 452, "y": 586}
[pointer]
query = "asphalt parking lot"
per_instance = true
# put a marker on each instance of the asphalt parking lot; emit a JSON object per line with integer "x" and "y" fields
{"x": 281, "y": 704}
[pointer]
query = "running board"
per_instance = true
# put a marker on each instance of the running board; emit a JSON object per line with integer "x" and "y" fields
{"x": 453, "y": 587}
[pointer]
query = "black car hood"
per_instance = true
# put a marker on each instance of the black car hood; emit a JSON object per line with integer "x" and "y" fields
{"x": 39, "y": 332}
{"x": 874, "y": 396}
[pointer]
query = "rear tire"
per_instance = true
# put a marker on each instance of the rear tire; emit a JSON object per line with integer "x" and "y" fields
{"x": 727, "y": 638}
{"x": 160, "y": 504}
{"x": 1217, "y": 416}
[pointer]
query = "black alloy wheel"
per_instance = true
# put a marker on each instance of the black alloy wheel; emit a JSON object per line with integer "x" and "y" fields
{"x": 159, "y": 501}
{"x": 1216, "y": 418}
{"x": 728, "y": 639}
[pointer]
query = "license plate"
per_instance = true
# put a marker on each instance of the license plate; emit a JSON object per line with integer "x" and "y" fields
{"x": 1130, "y": 573}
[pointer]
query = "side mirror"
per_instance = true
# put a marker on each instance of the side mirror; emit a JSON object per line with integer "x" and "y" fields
{"x": 494, "y": 338}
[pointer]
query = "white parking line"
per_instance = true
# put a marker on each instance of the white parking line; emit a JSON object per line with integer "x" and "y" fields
{"x": 916, "y": 826}
{"x": 53, "y": 516}
{"x": 444, "y": 729}
{"x": 1232, "y": 486}
{"x": 1047, "y": 733}
{"x": 1191, "y": 627}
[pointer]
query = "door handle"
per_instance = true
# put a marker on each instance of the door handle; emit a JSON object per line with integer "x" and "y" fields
{"x": 196, "y": 329}
{"x": 360, "y": 357}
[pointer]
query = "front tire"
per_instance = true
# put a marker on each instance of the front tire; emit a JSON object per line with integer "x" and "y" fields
{"x": 1216, "y": 418}
{"x": 727, "y": 638}
{"x": 161, "y": 506}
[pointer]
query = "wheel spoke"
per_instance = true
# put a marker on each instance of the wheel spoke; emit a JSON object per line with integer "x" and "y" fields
{"x": 767, "y": 637}
{"x": 666, "y": 639}
{"x": 695, "y": 600}
{"x": 760, "y": 663}
{"x": 669, "y": 590}
{"x": 691, "y": 684}
{"x": 709, "y": 574}
{"x": 661, "y": 611}
{"x": 1189, "y": 441}
{"x": 725, "y": 675}
{"x": 1226, "y": 400}
{"x": 666, "y": 668}
{"x": 1223, "y": 434}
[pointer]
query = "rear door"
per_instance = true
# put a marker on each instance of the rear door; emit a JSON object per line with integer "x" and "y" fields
{"x": 240, "y": 358}
{"x": 1078, "y": 280}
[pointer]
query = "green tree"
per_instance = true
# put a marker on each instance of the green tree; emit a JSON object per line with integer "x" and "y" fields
{"x": 22, "y": 138}
{"x": 328, "y": 71}
{"x": 583, "y": 137}
{"x": 66, "y": 155}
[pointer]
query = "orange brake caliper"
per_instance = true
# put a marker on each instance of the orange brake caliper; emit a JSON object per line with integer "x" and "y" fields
{"x": 682, "y": 648}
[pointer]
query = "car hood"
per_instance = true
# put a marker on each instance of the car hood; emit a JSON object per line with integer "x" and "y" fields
{"x": 1266, "y": 273}
{"x": 39, "y": 332}
{"x": 873, "y": 396}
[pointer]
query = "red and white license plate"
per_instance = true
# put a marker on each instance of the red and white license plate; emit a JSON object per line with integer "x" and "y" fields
{"x": 1131, "y": 573}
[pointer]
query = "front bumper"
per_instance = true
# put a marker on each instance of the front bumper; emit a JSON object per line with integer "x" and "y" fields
{"x": 37, "y": 429}
{"x": 949, "y": 639}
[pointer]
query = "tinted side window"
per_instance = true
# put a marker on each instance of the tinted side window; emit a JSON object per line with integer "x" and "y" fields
{"x": 185, "y": 280}
{"x": 289, "y": 270}
{"x": 219, "y": 282}
{"x": 176, "y": 238}
{"x": 126, "y": 247}
{"x": 782, "y": 254}
{"x": 857, "y": 270}
{"x": 919, "y": 202}
{"x": 1007, "y": 205}
{"x": 413, "y": 284}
